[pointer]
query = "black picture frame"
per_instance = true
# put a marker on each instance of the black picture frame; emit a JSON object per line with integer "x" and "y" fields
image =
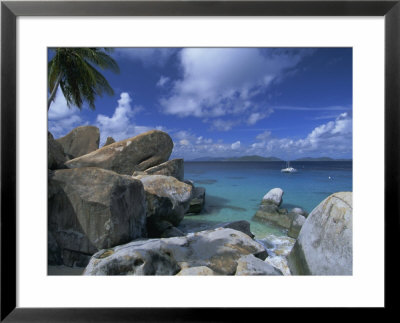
{"x": 10, "y": 10}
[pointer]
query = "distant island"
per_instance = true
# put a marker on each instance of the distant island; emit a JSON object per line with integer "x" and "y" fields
{"x": 239, "y": 159}
{"x": 256, "y": 158}
{"x": 321, "y": 159}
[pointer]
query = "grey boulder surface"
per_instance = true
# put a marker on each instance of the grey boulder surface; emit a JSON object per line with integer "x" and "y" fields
{"x": 198, "y": 200}
{"x": 80, "y": 141}
{"x": 167, "y": 201}
{"x": 173, "y": 167}
{"x": 250, "y": 265}
{"x": 295, "y": 226}
{"x": 271, "y": 213}
{"x": 324, "y": 245}
{"x": 274, "y": 196}
{"x": 109, "y": 141}
{"x": 240, "y": 225}
{"x": 90, "y": 209}
{"x": 134, "y": 154}
{"x": 220, "y": 250}
{"x": 55, "y": 153}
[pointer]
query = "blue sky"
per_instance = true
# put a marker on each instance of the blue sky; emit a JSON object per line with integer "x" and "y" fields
{"x": 223, "y": 102}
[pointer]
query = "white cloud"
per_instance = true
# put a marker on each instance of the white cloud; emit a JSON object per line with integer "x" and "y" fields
{"x": 162, "y": 81}
{"x": 61, "y": 118}
{"x": 257, "y": 116}
{"x": 184, "y": 142}
{"x": 224, "y": 81}
{"x": 223, "y": 125}
{"x": 147, "y": 56}
{"x": 235, "y": 145}
{"x": 333, "y": 138}
{"x": 120, "y": 125}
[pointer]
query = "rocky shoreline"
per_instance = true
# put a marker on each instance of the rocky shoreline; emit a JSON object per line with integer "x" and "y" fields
{"x": 116, "y": 210}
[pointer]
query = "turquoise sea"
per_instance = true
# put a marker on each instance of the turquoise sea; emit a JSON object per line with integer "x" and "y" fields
{"x": 234, "y": 190}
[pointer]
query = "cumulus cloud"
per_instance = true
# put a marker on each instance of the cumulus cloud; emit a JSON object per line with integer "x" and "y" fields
{"x": 224, "y": 81}
{"x": 331, "y": 138}
{"x": 235, "y": 145}
{"x": 61, "y": 118}
{"x": 189, "y": 146}
{"x": 120, "y": 125}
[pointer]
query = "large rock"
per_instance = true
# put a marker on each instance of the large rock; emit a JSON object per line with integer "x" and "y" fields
{"x": 324, "y": 245}
{"x": 80, "y": 141}
{"x": 172, "y": 168}
{"x": 295, "y": 226}
{"x": 272, "y": 214}
{"x": 124, "y": 157}
{"x": 250, "y": 265}
{"x": 55, "y": 153}
{"x": 109, "y": 141}
{"x": 274, "y": 196}
{"x": 91, "y": 209}
{"x": 241, "y": 225}
{"x": 167, "y": 201}
{"x": 221, "y": 250}
{"x": 196, "y": 271}
{"x": 198, "y": 200}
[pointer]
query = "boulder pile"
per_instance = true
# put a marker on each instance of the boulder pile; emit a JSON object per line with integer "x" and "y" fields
{"x": 221, "y": 251}
{"x": 102, "y": 198}
{"x": 270, "y": 211}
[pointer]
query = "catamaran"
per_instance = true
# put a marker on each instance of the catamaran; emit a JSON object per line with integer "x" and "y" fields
{"x": 288, "y": 169}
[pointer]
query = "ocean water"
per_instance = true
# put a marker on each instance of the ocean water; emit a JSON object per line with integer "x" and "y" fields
{"x": 234, "y": 190}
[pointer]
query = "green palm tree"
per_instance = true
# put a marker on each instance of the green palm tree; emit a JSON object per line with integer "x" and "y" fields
{"x": 73, "y": 69}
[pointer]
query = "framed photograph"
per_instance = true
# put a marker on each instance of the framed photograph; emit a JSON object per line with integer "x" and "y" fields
{"x": 200, "y": 154}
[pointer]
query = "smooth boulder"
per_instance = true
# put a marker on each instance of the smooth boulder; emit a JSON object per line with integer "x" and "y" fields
{"x": 220, "y": 250}
{"x": 198, "y": 200}
{"x": 90, "y": 209}
{"x": 250, "y": 265}
{"x": 324, "y": 245}
{"x": 167, "y": 201}
{"x": 80, "y": 141}
{"x": 55, "y": 153}
{"x": 134, "y": 154}
{"x": 274, "y": 196}
{"x": 109, "y": 141}
{"x": 172, "y": 168}
{"x": 272, "y": 214}
{"x": 296, "y": 225}
{"x": 241, "y": 225}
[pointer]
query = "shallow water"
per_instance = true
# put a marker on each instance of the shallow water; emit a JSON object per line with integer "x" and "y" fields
{"x": 234, "y": 190}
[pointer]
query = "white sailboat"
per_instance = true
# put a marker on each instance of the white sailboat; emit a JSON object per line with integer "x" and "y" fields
{"x": 288, "y": 169}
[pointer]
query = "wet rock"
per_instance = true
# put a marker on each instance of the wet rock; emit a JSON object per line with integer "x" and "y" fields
{"x": 280, "y": 263}
{"x": 324, "y": 245}
{"x": 271, "y": 213}
{"x": 198, "y": 200}
{"x": 134, "y": 154}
